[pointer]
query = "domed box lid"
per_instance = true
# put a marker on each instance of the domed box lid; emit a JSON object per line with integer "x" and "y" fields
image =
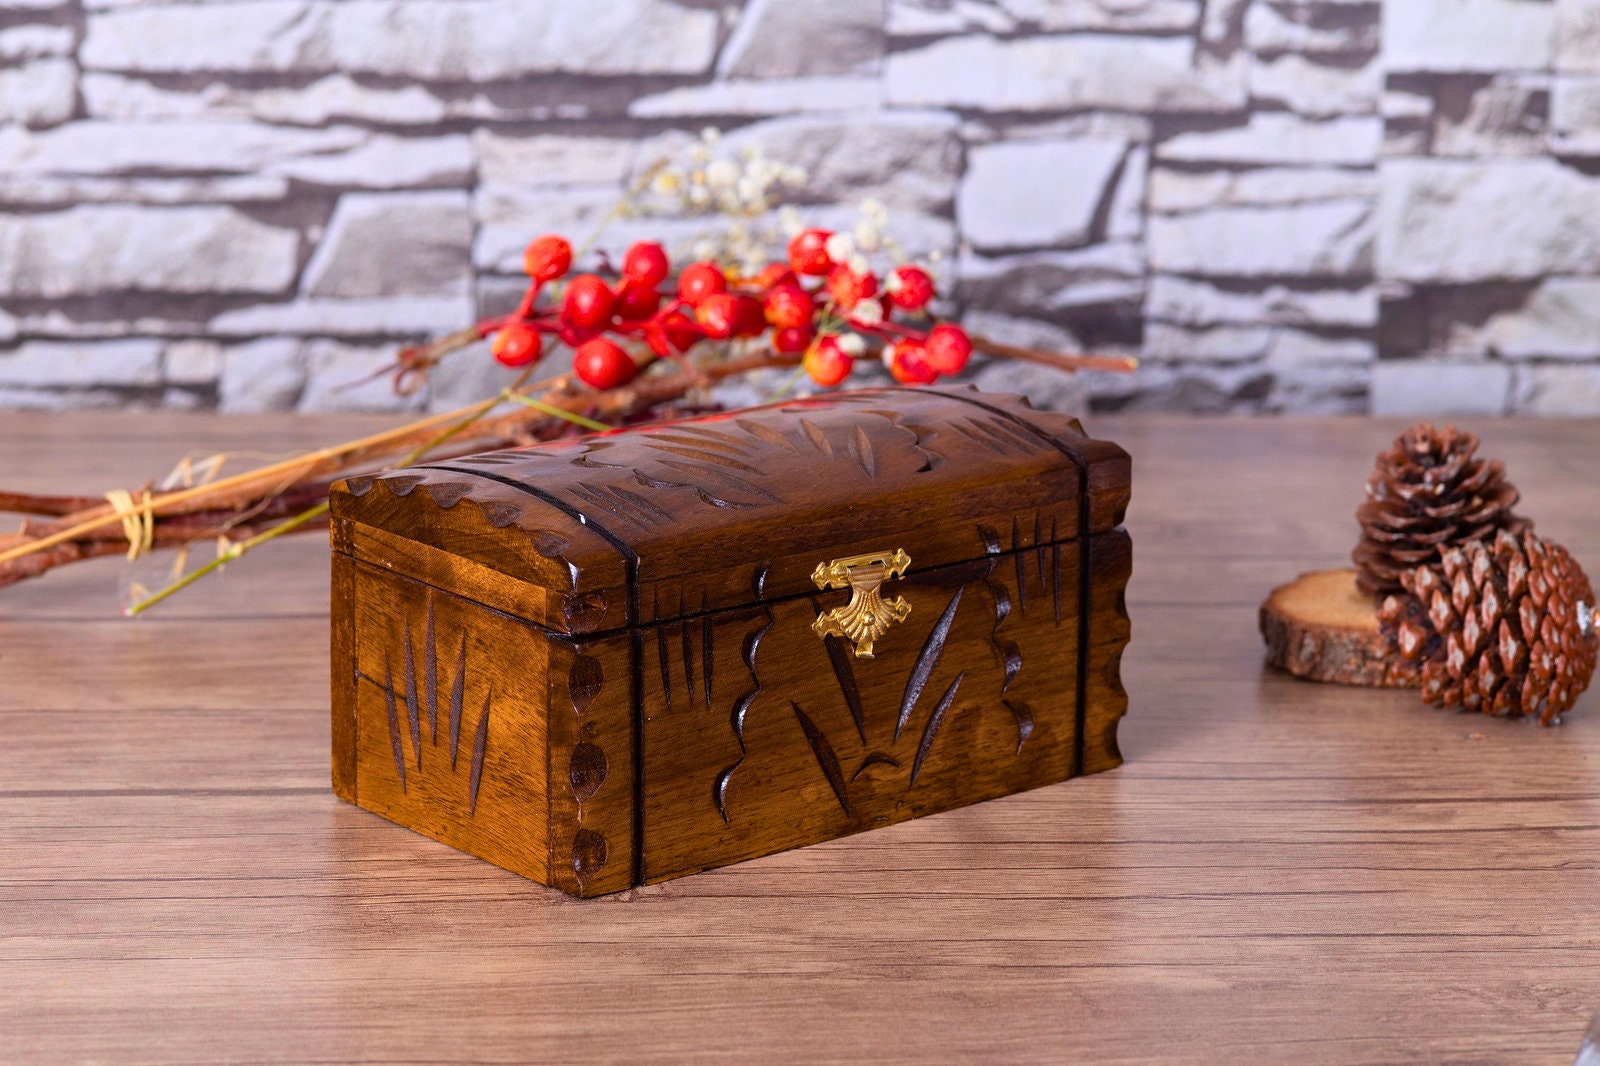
{"x": 677, "y": 518}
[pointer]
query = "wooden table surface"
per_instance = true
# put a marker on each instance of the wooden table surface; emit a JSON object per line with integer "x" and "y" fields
{"x": 1281, "y": 872}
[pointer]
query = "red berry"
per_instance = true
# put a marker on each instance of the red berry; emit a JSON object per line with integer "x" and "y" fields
{"x": 517, "y": 344}
{"x": 948, "y": 348}
{"x": 680, "y": 332}
{"x": 808, "y": 252}
{"x": 547, "y": 257}
{"x": 791, "y": 339}
{"x": 773, "y": 275}
{"x": 637, "y": 300}
{"x": 908, "y": 363}
{"x": 588, "y": 302}
{"x": 790, "y": 305}
{"x": 603, "y": 364}
{"x": 572, "y": 335}
{"x": 910, "y": 287}
{"x": 827, "y": 362}
{"x": 752, "y": 321}
{"x": 719, "y": 315}
{"x": 700, "y": 280}
{"x": 849, "y": 288}
{"x": 646, "y": 263}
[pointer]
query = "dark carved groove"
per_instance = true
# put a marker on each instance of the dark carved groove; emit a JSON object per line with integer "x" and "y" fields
{"x": 1055, "y": 577}
{"x": 1007, "y": 651}
{"x": 394, "y": 724}
{"x": 413, "y": 708}
{"x": 732, "y": 481}
{"x": 1022, "y": 571}
{"x": 585, "y": 679}
{"x": 1024, "y": 716}
{"x": 719, "y": 791}
{"x": 1038, "y": 547}
{"x": 819, "y": 439}
{"x": 763, "y": 432}
{"x": 927, "y": 659}
{"x": 686, "y": 630}
{"x": 727, "y": 440}
{"x": 752, "y": 643}
{"x": 982, "y": 440}
{"x": 935, "y": 720}
{"x": 430, "y": 671}
{"x": 861, "y": 452}
{"x": 826, "y": 759}
{"x": 480, "y": 745}
{"x": 877, "y": 758}
{"x": 707, "y": 651}
{"x": 705, "y": 455}
{"x": 662, "y": 483}
{"x": 586, "y": 771}
{"x": 666, "y": 664}
{"x": 458, "y": 695}
{"x": 839, "y": 656}
{"x": 588, "y": 854}
{"x": 638, "y": 500}
{"x": 758, "y": 581}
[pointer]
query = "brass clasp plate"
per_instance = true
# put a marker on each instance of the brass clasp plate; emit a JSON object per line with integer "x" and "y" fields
{"x": 867, "y": 616}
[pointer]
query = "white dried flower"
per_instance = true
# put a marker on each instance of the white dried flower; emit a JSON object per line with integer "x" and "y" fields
{"x": 868, "y": 312}
{"x": 868, "y": 237}
{"x": 840, "y": 246}
{"x": 710, "y": 135}
{"x": 873, "y": 210}
{"x": 858, "y": 264}
{"x": 722, "y": 174}
{"x": 789, "y": 221}
{"x": 698, "y": 195}
{"x": 851, "y": 344}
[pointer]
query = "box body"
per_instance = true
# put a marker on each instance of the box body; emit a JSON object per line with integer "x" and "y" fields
{"x": 609, "y": 662}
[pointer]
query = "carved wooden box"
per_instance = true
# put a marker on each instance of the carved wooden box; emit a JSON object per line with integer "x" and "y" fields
{"x": 619, "y": 659}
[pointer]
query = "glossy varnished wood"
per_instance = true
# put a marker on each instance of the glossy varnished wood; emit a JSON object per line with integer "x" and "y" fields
{"x": 693, "y": 546}
{"x": 1280, "y": 871}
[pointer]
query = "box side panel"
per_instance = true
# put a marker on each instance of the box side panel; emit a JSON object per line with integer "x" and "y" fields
{"x": 591, "y": 750}
{"x": 342, "y": 676}
{"x": 759, "y": 736}
{"x": 451, "y": 719}
{"x": 1106, "y": 701}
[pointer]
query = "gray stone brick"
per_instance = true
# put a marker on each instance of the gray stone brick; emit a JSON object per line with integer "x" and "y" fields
{"x": 344, "y": 377}
{"x": 394, "y": 244}
{"x": 40, "y": 93}
{"x": 782, "y": 39}
{"x": 1424, "y": 387}
{"x": 442, "y": 40}
{"x": 1065, "y": 184}
{"x": 1063, "y": 73}
{"x": 1468, "y": 35}
{"x": 95, "y": 249}
{"x": 1331, "y": 239}
{"x": 263, "y": 375}
{"x": 1456, "y": 221}
{"x": 1275, "y": 137}
{"x": 36, "y": 364}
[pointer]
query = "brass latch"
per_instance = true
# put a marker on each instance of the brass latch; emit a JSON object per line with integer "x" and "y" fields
{"x": 867, "y": 616}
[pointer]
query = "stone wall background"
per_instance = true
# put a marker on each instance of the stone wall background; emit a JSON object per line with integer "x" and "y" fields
{"x": 1306, "y": 205}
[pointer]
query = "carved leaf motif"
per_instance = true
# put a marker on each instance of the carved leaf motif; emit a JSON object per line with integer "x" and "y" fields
{"x": 586, "y": 771}
{"x": 927, "y": 659}
{"x": 826, "y": 758}
{"x": 935, "y": 720}
{"x": 585, "y": 679}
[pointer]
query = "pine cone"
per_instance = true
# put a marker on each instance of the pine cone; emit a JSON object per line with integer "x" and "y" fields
{"x": 1426, "y": 493}
{"x": 1503, "y": 627}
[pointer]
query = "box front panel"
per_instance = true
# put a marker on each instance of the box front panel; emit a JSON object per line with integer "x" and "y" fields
{"x": 760, "y": 736}
{"x": 450, "y": 720}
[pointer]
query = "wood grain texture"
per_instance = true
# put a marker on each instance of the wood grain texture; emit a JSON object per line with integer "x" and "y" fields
{"x": 1281, "y": 871}
{"x": 723, "y": 778}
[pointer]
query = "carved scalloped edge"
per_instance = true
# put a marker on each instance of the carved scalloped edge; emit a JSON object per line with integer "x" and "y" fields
{"x": 445, "y": 491}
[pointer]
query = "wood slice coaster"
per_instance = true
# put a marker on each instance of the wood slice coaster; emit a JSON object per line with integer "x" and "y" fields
{"x": 1322, "y": 628}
